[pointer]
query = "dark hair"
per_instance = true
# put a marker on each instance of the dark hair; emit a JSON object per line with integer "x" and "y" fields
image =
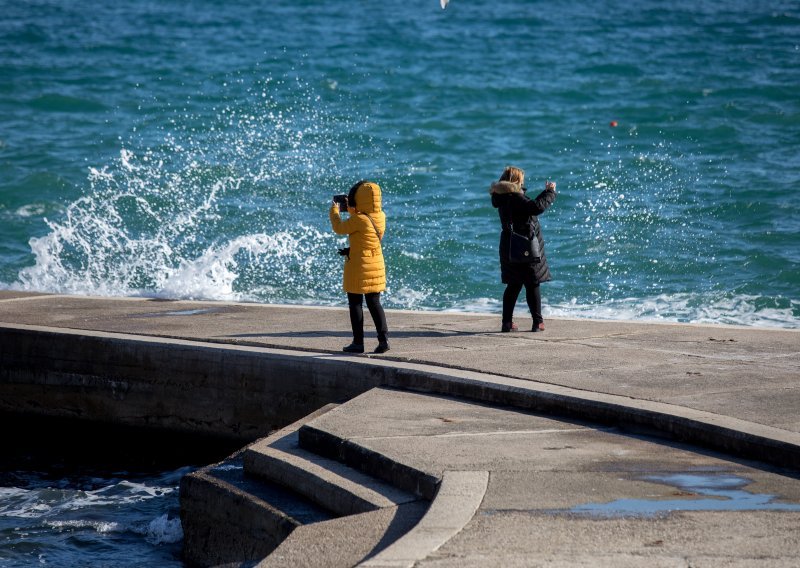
{"x": 351, "y": 195}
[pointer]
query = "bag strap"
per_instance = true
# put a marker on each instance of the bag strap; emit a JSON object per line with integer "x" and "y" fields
{"x": 374, "y": 226}
{"x": 510, "y": 217}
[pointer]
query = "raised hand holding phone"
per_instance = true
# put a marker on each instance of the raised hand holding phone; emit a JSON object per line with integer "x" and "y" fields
{"x": 341, "y": 201}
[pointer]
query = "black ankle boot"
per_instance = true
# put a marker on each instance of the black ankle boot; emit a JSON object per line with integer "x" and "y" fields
{"x": 354, "y": 348}
{"x": 383, "y": 346}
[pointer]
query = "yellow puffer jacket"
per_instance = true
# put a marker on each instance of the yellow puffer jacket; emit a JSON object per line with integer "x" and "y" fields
{"x": 364, "y": 271}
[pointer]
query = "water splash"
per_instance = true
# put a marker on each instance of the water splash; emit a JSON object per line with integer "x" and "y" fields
{"x": 635, "y": 221}
{"x": 185, "y": 218}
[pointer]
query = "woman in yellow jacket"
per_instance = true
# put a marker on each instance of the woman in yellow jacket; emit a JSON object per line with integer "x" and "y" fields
{"x": 364, "y": 269}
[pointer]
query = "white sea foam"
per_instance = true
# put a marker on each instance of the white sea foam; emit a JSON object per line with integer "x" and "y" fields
{"x": 186, "y": 219}
{"x": 30, "y": 210}
{"x": 99, "y": 526}
{"x": 161, "y": 530}
{"x": 51, "y": 502}
{"x": 122, "y": 493}
{"x": 409, "y": 298}
{"x": 24, "y": 503}
{"x": 686, "y": 308}
{"x": 228, "y": 467}
{"x": 214, "y": 272}
{"x": 674, "y": 308}
{"x": 164, "y": 530}
{"x": 478, "y": 305}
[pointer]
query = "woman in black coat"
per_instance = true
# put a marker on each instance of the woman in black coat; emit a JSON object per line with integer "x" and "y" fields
{"x": 517, "y": 209}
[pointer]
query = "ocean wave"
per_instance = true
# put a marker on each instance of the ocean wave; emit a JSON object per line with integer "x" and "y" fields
{"x": 743, "y": 310}
{"x": 97, "y": 526}
{"x": 131, "y": 522}
{"x": 50, "y": 499}
{"x": 31, "y": 210}
{"x": 57, "y": 102}
{"x": 21, "y": 503}
{"x": 160, "y": 530}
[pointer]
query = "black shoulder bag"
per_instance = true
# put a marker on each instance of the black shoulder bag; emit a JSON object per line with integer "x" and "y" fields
{"x": 521, "y": 249}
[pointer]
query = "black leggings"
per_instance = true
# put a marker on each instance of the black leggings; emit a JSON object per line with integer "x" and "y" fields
{"x": 357, "y": 316}
{"x": 532, "y": 296}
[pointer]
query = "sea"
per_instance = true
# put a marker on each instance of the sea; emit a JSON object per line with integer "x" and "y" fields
{"x": 190, "y": 150}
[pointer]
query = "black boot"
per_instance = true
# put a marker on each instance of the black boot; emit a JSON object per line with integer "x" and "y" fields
{"x": 354, "y": 348}
{"x": 383, "y": 344}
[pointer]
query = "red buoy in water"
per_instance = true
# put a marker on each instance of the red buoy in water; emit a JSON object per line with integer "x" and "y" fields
{"x": 613, "y": 124}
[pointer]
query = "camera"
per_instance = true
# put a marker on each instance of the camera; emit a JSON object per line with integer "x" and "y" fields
{"x": 342, "y": 201}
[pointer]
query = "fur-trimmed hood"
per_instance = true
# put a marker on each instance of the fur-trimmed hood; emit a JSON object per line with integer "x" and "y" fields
{"x": 503, "y": 187}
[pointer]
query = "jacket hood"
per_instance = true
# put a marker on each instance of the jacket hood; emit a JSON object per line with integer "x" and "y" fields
{"x": 503, "y": 187}
{"x": 368, "y": 198}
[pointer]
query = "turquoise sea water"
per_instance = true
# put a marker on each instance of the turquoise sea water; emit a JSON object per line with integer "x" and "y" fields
{"x": 189, "y": 150}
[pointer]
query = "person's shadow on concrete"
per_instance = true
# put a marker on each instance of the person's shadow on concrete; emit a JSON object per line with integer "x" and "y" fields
{"x": 348, "y": 334}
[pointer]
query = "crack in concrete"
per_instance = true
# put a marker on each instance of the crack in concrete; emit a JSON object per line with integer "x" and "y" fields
{"x": 477, "y": 434}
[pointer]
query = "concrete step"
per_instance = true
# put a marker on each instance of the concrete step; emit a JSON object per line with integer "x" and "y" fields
{"x": 231, "y": 518}
{"x": 324, "y": 481}
{"x": 228, "y": 517}
{"x": 346, "y": 541}
{"x": 324, "y": 438}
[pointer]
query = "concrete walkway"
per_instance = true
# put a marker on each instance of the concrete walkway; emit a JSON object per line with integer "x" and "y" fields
{"x": 510, "y": 487}
{"x": 519, "y": 489}
{"x": 748, "y": 374}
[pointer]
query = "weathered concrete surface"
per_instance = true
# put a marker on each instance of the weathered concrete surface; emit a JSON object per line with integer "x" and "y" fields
{"x": 345, "y": 541}
{"x": 229, "y": 518}
{"x": 334, "y": 486}
{"x": 750, "y": 374}
{"x": 458, "y": 498}
{"x": 12, "y": 295}
{"x": 223, "y": 523}
{"x": 328, "y": 483}
{"x": 682, "y": 540}
{"x": 736, "y": 384}
{"x": 541, "y": 371}
{"x": 184, "y": 386}
{"x": 571, "y": 494}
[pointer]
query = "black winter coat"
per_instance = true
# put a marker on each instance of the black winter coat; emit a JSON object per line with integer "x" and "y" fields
{"x": 515, "y": 207}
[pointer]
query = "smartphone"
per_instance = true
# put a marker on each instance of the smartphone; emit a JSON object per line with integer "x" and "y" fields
{"x": 342, "y": 201}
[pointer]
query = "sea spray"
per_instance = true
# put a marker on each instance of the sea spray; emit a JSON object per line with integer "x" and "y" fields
{"x": 627, "y": 226}
{"x": 186, "y": 218}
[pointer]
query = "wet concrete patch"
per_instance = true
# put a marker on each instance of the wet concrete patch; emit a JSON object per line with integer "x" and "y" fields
{"x": 173, "y": 313}
{"x": 697, "y": 492}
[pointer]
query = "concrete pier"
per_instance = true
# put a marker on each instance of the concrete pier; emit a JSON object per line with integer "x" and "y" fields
{"x": 476, "y": 441}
